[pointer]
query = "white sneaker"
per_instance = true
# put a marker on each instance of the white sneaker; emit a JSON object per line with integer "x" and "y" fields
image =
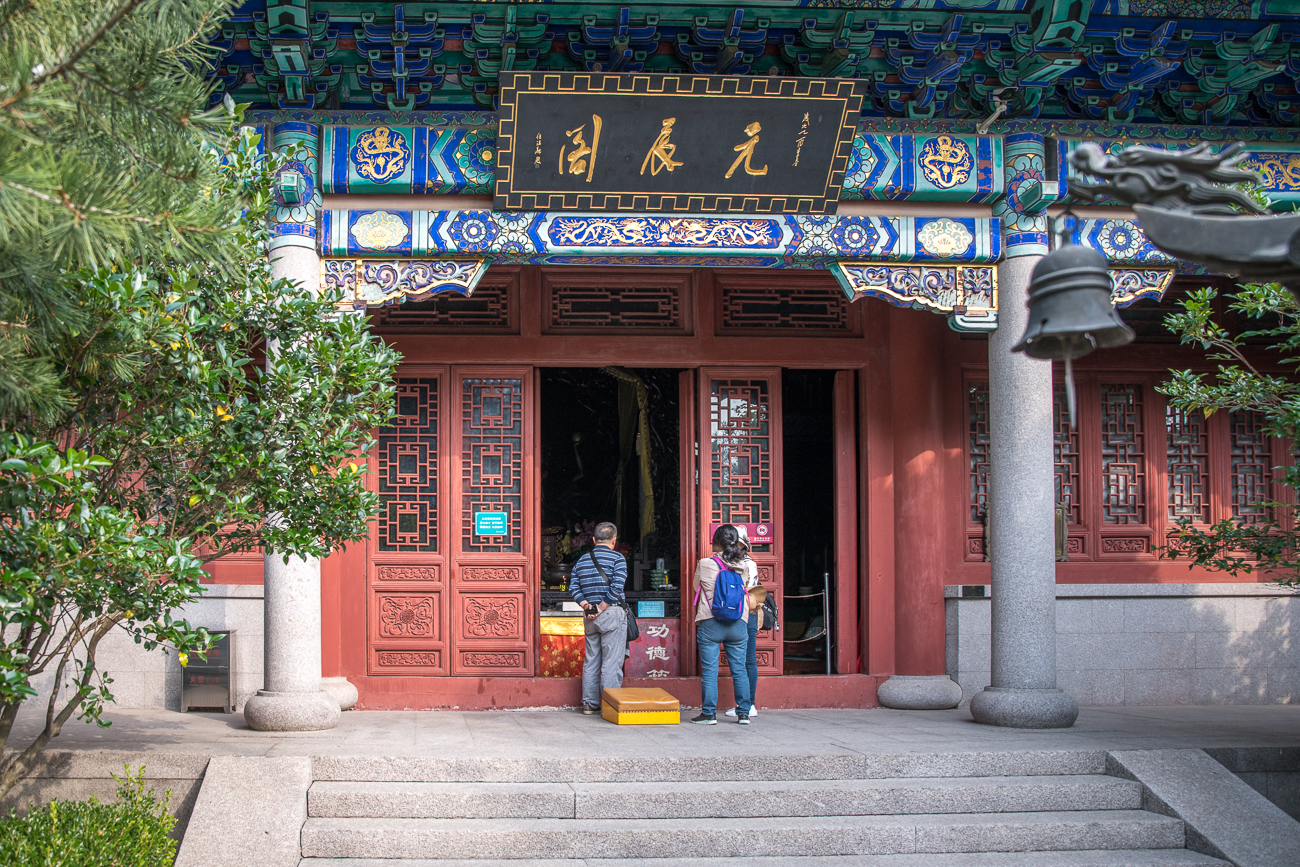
{"x": 753, "y": 712}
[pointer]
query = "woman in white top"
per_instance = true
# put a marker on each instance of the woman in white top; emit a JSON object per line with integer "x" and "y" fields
{"x": 711, "y": 635}
{"x": 750, "y": 575}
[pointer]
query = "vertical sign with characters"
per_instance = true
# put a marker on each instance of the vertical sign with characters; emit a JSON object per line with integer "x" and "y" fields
{"x": 655, "y": 652}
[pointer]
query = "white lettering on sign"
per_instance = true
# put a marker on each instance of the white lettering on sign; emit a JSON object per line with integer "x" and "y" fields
{"x": 657, "y": 653}
{"x": 659, "y": 630}
{"x": 657, "y": 672}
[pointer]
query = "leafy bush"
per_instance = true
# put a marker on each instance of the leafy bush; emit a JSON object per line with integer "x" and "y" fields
{"x": 129, "y": 833}
{"x": 1270, "y": 547}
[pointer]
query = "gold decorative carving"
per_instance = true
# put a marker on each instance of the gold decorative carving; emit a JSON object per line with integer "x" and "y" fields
{"x": 379, "y": 230}
{"x": 380, "y": 154}
{"x": 706, "y": 232}
{"x": 946, "y": 162}
{"x": 944, "y": 238}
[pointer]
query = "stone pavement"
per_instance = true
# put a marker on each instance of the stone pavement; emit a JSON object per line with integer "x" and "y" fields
{"x": 216, "y": 767}
{"x": 560, "y": 734}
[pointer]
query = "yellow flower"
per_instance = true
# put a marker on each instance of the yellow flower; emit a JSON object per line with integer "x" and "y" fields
{"x": 184, "y": 658}
{"x": 314, "y": 471}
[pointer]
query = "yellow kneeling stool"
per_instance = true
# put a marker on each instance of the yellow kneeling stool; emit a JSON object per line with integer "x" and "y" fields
{"x": 640, "y": 707}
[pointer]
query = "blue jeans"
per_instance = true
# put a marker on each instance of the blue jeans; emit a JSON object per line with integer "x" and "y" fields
{"x": 751, "y": 658}
{"x": 709, "y": 636}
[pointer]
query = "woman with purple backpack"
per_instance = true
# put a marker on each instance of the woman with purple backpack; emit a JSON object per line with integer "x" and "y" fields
{"x": 721, "y": 621}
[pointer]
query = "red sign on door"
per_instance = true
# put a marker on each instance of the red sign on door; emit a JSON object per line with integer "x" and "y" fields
{"x": 759, "y": 534}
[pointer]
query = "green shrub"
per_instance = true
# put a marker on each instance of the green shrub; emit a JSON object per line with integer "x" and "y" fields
{"x": 129, "y": 833}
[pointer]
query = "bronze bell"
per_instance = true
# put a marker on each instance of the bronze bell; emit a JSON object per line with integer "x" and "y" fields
{"x": 1070, "y": 313}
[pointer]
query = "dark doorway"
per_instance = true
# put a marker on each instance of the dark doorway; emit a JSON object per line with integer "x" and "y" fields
{"x": 809, "y": 523}
{"x": 595, "y": 425}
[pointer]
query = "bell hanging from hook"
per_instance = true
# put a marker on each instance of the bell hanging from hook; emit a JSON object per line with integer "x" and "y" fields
{"x": 1070, "y": 313}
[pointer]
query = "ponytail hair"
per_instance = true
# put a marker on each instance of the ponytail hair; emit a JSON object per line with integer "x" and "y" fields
{"x": 726, "y": 538}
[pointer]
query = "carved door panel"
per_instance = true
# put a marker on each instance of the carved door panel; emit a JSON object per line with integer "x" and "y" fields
{"x": 492, "y": 528}
{"x": 406, "y": 599}
{"x": 740, "y": 474}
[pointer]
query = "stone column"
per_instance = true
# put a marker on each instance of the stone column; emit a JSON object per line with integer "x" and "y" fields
{"x": 291, "y": 698}
{"x": 1022, "y": 494}
{"x": 916, "y": 368}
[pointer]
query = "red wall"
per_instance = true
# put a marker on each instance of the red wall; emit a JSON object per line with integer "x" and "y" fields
{"x": 912, "y": 479}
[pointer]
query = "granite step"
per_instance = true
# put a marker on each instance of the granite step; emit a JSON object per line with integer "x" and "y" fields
{"x": 1105, "y": 858}
{"x": 718, "y": 765}
{"x": 722, "y": 799}
{"x": 515, "y": 839}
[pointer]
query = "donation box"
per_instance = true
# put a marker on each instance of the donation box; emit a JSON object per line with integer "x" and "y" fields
{"x": 210, "y": 682}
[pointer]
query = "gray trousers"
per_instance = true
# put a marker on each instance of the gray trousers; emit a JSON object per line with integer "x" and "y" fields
{"x": 606, "y": 648}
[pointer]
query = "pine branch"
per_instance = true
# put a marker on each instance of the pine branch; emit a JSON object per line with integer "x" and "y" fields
{"x": 81, "y": 212}
{"x": 60, "y": 68}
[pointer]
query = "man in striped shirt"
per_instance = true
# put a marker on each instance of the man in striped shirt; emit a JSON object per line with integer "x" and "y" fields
{"x": 605, "y": 621}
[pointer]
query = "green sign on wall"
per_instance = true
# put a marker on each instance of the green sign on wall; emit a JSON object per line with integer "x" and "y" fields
{"x": 490, "y": 524}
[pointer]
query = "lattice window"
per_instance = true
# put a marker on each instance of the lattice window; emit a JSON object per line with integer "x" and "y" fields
{"x": 408, "y": 470}
{"x": 485, "y": 311}
{"x": 492, "y": 461}
{"x": 1187, "y": 451}
{"x": 740, "y": 451}
{"x": 1252, "y": 459}
{"x": 801, "y": 308}
{"x": 977, "y": 403}
{"x": 1065, "y": 458}
{"x": 1123, "y": 455}
{"x": 617, "y": 307}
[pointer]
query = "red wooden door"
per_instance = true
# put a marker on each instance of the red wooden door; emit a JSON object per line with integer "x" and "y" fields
{"x": 740, "y": 470}
{"x": 493, "y": 530}
{"x": 406, "y": 566}
{"x": 844, "y": 595}
{"x": 688, "y": 469}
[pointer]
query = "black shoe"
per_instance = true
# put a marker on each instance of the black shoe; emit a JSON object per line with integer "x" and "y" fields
{"x": 706, "y": 719}
{"x": 742, "y": 718}
{"x": 589, "y": 710}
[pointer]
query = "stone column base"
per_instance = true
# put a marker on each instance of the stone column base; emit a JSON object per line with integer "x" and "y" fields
{"x": 919, "y": 692}
{"x": 341, "y": 690}
{"x": 1024, "y": 708}
{"x": 291, "y": 711}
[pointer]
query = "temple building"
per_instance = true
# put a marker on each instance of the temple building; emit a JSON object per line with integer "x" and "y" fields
{"x": 676, "y": 266}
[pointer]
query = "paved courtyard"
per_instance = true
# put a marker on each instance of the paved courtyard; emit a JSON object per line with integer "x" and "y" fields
{"x": 559, "y": 734}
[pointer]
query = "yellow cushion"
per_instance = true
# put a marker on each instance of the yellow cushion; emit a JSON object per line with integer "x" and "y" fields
{"x": 652, "y": 698}
{"x": 640, "y": 707}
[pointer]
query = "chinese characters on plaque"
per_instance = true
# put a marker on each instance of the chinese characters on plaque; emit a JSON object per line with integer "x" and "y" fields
{"x": 674, "y": 143}
{"x": 655, "y": 653}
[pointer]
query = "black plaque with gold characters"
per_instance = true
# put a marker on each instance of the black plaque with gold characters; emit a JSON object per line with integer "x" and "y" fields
{"x": 700, "y": 144}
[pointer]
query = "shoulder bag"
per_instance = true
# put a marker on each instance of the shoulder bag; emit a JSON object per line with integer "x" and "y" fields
{"x": 633, "y": 631}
